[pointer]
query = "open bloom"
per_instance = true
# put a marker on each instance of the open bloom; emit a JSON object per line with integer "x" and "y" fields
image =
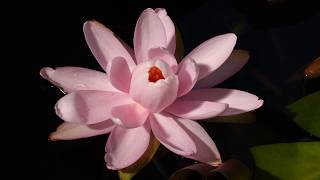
{"x": 145, "y": 91}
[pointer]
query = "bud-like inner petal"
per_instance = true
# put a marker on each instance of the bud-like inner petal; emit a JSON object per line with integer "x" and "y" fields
{"x": 154, "y": 85}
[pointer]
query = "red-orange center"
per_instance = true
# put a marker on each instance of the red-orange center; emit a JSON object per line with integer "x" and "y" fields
{"x": 155, "y": 74}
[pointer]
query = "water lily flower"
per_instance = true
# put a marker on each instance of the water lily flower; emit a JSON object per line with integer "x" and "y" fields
{"x": 144, "y": 91}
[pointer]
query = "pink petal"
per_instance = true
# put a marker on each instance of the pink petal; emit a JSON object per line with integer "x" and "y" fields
{"x": 70, "y": 131}
{"x": 169, "y": 28}
{"x": 76, "y": 78}
{"x": 126, "y": 146}
{"x": 211, "y": 54}
{"x": 89, "y": 107}
{"x": 238, "y": 101}
{"x": 129, "y": 115}
{"x": 171, "y": 134}
{"x": 149, "y": 33}
{"x": 188, "y": 76}
{"x": 104, "y": 45}
{"x": 163, "y": 54}
{"x": 120, "y": 75}
{"x": 231, "y": 66}
{"x": 154, "y": 96}
{"x": 207, "y": 151}
{"x": 196, "y": 109}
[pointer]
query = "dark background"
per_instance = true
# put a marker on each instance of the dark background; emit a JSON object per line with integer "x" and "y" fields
{"x": 282, "y": 37}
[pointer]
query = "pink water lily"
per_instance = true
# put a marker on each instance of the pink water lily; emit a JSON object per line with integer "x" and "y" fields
{"x": 145, "y": 91}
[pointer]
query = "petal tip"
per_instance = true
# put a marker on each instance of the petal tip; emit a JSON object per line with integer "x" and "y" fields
{"x": 232, "y": 36}
{"x": 111, "y": 167}
{"x": 148, "y": 9}
{"x": 260, "y": 103}
{"x": 93, "y": 24}
{"x": 46, "y": 72}
{"x": 52, "y": 136}
{"x": 161, "y": 11}
{"x": 109, "y": 163}
{"x": 88, "y": 24}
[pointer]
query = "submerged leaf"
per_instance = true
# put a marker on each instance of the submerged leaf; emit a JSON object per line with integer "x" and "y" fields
{"x": 294, "y": 161}
{"x": 129, "y": 172}
{"x": 307, "y": 113}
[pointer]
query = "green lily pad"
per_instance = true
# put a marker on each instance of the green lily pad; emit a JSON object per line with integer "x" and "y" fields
{"x": 307, "y": 113}
{"x": 129, "y": 172}
{"x": 288, "y": 161}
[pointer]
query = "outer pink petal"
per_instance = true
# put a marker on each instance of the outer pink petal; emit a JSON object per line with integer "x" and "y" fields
{"x": 232, "y": 65}
{"x": 238, "y": 101}
{"x": 77, "y": 78}
{"x": 89, "y": 107}
{"x": 165, "y": 55}
{"x": 211, "y": 54}
{"x": 120, "y": 75}
{"x": 169, "y": 28}
{"x": 207, "y": 151}
{"x": 149, "y": 33}
{"x": 154, "y": 96}
{"x": 188, "y": 76}
{"x": 129, "y": 115}
{"x": 126, "y": 146}
{"x": 171, "y": 134}
{"x": 104, "y": 45}
{"x": 196, "y": 109}
{"x": 70, "y": 131}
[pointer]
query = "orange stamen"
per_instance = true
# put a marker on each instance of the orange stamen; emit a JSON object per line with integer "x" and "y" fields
{"x": 155, "y": 74}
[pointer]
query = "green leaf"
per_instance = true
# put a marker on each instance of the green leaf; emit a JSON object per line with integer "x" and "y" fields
{"x": 288, "y": 161}
{"x": 307, "y": 113}
{"x": 129, "y": 172}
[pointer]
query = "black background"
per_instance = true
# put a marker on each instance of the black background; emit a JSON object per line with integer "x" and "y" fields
{"x": 282, "y": 37}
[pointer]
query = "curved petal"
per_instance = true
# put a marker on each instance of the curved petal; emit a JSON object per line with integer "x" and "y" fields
{"x": 169, "y": 28}
{"x": 149, "y": 33}
{"x": 89, "y": 107}
{"x": 70, "y": 131}
{"x": 129, "y": 115}
{"x": 166, "y": 129}
{"x": 104, "y": 45}
{"x": 207, "y": 151}
{"x": 120, "y": 75}
{"x": 238, "y": 101}
{"x": 165, "y": 55}
{"x": 188, "y": 76}
{"x": 72, "y": 79}
{"x": 211, "y": 54}
{"x": 154, "y": 96}
{"x": 126, "y": 146}
{"x": 196, "y": 109}
{"x": 231, "y": 66}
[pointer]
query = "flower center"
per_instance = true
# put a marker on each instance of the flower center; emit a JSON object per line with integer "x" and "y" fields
{"x": 155, "y": 74}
